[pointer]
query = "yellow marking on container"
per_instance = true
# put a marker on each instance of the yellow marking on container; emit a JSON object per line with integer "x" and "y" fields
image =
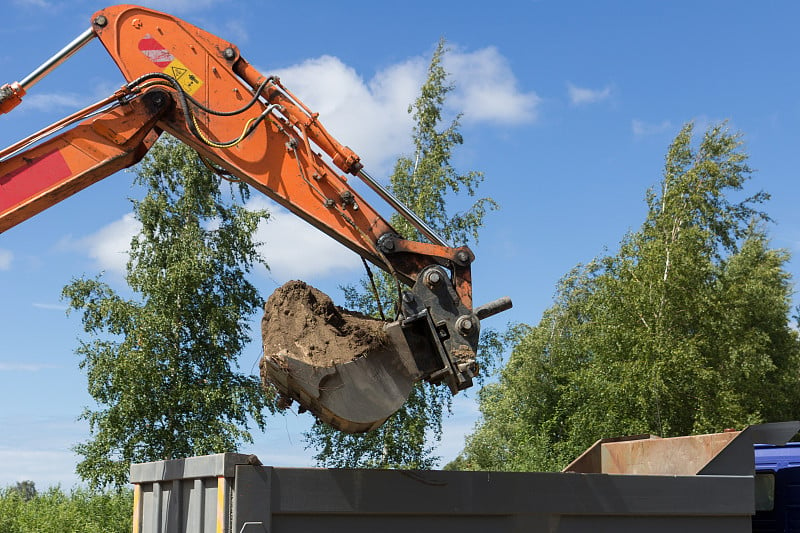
{"x": 222, "y": 489}
{"x": 137, "y": 508}
{"x": 187, "y": 79}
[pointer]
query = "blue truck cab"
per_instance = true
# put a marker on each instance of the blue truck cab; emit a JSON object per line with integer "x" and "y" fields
{"x": 777, "y": 488}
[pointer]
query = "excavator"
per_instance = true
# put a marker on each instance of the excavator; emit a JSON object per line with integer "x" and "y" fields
{"x": 198, "y": 88}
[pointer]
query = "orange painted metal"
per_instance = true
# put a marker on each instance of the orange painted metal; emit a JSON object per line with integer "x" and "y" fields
{"x": 282, "y": 157}
{"x": 288, "y": 155}
{"x": 46, "y": 174}
{"x": 417, "y": 255}
{"x": 10, "y": 96}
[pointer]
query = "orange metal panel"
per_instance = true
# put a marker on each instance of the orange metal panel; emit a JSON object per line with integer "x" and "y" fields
{"x": 35, "y": 179}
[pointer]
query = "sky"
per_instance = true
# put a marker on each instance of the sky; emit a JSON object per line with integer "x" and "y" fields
{"x": 567, "y": 107}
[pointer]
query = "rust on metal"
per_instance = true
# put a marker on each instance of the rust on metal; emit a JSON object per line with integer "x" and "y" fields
{"x": 652, "y": 455}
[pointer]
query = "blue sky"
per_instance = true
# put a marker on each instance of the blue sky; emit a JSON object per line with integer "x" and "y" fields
{"x": 568, "y": 108}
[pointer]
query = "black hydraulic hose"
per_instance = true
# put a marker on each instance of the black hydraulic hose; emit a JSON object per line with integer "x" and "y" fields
{"x": 185, "y": 98}
{"x": 196, "y": 102}
{"x": 247, "y": 106}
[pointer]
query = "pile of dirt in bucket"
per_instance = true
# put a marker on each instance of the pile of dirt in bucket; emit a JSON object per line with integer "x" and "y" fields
{"x": 302, "y": 322}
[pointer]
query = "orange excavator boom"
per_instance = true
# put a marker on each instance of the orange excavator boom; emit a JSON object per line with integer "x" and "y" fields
{"x": 198, "y": 88}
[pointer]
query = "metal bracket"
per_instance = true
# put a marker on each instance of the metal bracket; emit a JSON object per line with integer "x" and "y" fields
{"x": 444, "y": 347}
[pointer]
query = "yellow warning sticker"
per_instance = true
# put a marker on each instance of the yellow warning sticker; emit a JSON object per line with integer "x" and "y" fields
{"x": 185, "y": 77}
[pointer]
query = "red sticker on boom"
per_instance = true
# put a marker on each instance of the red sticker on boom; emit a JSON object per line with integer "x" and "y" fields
{"x": 155, "y": 51}
{"x": 38, "y": 175}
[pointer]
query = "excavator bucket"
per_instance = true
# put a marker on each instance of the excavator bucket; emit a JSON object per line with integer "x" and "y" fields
{"x": 352, "y": 371}
{"x": 353, "y": 396}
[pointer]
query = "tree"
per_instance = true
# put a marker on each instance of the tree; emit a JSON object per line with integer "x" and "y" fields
{"x": 680, "y": 332}
{"x": 162, "y": 368}
{"x": 26, "y": 490}
{"x": 426, "y": 182}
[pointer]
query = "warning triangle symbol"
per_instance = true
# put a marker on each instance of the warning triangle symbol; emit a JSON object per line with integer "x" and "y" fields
{"x": 177, "y": 72}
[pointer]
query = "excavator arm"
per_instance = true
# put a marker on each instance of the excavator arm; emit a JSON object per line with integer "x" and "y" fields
{"x": 197, "y": 87}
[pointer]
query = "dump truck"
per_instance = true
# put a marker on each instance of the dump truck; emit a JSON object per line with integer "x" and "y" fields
{"x": 694, "y": 484}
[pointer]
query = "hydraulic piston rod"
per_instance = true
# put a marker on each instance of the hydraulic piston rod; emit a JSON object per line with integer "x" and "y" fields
{"x": 11, "y": 93}
{"x": 62, "y": 55}
{"x": 401, "y": 208}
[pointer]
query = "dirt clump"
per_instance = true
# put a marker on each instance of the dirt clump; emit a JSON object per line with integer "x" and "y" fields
{"x": 303, "y": 323}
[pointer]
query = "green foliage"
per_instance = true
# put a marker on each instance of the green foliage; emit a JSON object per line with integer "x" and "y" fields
{"x": 426, "y": 183}
{"x": 79, "y": 511}
{"x": 26, "y": 489}
{"x": 162, "y": 368}
{"x": 684, "y": 331}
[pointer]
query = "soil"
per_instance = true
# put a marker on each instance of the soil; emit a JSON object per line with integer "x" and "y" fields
{"x": 302, "y": 322}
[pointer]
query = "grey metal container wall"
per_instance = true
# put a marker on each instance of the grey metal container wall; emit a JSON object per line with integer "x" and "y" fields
{"x": 227, "y": 493}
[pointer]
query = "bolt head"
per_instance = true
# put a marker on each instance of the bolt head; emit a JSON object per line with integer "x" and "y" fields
{"x": 466, "y": 325}
{"x": 101, "y": 20}
{"x": 462, "y": 256}
{"x": 433, "y": 278}
{"x": 228, "y": 53}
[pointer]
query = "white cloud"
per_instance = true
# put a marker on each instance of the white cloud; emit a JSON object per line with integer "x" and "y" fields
{"x": 6, "y": 257}
{"x": 641, "y": 128}
{"x": 294, "y": 249}
{"x": 37, "y": 447}
{"x": 371, "y": 116}
{"x": 51, "y": 101}
{"x": 45, "y": 467}
{"x": 109, "y": 246}
{"x": 581, "y": 95}
{"x": 486, "y": 88}
{"x": 36, "y": 101}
